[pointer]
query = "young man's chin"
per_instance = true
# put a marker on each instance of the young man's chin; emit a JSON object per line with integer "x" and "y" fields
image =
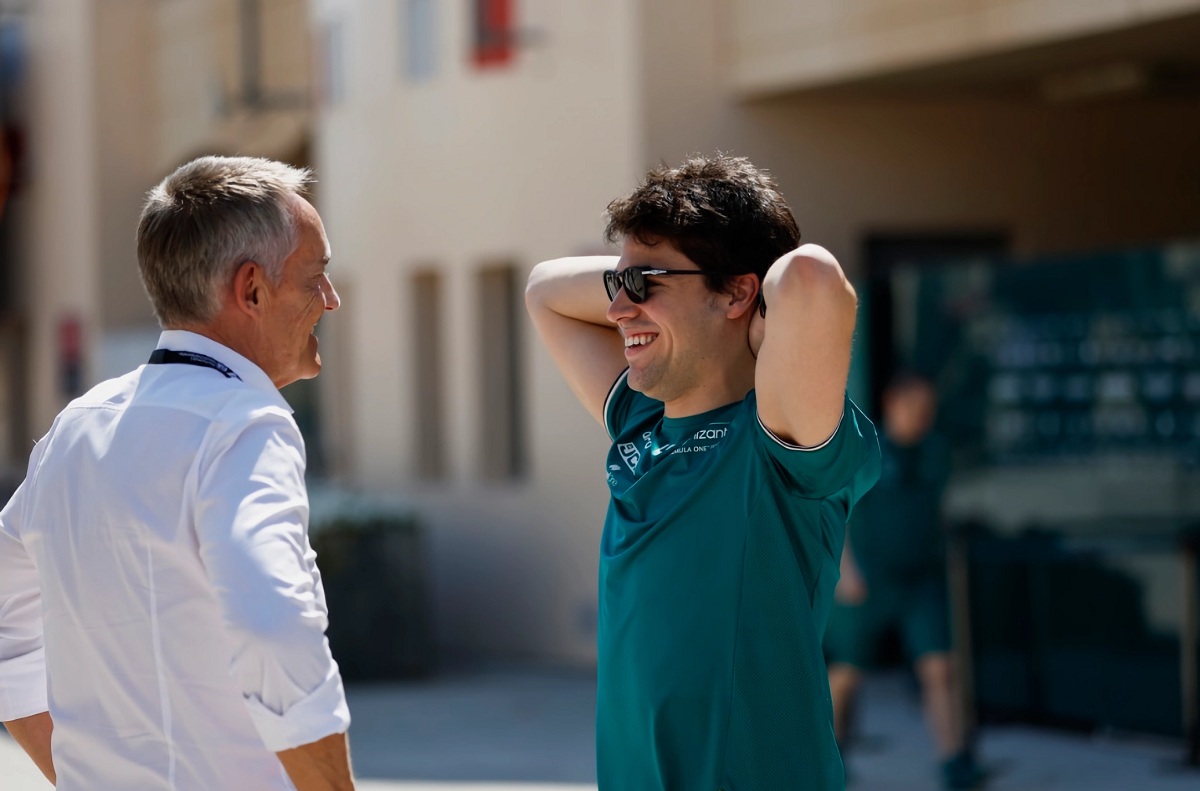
{"x": 642, "y": 382}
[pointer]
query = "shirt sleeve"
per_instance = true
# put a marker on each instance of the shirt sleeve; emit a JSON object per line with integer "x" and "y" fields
{"x": 848, "y": 460}
{"x": 22, "y": 650}
{"x": 251, "y": 521}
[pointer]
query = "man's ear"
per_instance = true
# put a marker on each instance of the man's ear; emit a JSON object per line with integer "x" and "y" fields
{"x": 741, "y": 293}
{"x": 249, "y": 287}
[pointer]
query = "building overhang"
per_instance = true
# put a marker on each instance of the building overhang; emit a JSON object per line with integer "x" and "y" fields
{"x": 1090, "y": 55}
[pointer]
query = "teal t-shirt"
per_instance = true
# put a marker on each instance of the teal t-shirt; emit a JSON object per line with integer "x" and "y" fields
{"x": 717, "y": 567}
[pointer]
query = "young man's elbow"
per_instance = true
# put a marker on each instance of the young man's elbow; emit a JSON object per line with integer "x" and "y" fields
{"x": 536, "y": 285}
{"x": 811, "y": 274}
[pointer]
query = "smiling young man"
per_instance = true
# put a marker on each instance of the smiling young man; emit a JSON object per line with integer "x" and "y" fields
{"x": 162, "y": 619}
{"x": 736, "y": 459}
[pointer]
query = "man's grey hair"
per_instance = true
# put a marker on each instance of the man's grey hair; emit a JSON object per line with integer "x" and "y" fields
{"x": 205, "y": 220}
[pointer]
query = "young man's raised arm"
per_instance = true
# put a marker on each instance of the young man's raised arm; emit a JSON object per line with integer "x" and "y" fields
{"x": 567, "y": 303}
{"x": 804, "y": 357}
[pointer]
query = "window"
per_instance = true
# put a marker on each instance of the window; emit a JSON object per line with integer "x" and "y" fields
{"x": 502, "y": 446}
{"x": 419, "y": 18}
{"x": 426, "y": 331}
{"x": 494, "y": 33}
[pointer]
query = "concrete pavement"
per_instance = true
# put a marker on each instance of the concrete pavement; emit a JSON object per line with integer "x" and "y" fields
{"x": 531, "y": 730}
{"x": 535, "y": 728}
{"x": 896, "y": 753}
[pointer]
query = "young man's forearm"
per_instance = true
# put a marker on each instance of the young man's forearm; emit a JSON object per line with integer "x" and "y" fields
{"x": 33, "y": 735}
{"x": 571, "y": 287}
{"x": 568, "y": 305}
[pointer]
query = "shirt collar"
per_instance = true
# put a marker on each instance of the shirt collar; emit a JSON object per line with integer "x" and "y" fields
{"x": 251, "y": 374}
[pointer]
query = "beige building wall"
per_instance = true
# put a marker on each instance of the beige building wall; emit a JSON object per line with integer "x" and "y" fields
{"x": 60, "y": 226}
{"x": 120, "y": 92}
{"x": 127, "y": 140}
{"x": 170, "y": 86}
{"x": 453, "y": 173}
{"x": 783, "y": 44}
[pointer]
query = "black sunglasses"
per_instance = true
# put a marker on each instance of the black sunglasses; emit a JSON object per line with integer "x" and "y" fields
{"x": 633, "y": 280}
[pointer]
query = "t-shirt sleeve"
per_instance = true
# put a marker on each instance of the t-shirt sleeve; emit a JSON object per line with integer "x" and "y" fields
{"x": 848, "y": 460}
{"x": 625, "y": 406}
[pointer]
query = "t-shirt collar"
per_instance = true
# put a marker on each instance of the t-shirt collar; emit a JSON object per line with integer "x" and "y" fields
{"x": 700, "y": 418}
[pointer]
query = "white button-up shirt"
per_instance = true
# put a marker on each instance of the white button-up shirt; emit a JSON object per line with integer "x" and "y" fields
{"x": 158, "y": 594}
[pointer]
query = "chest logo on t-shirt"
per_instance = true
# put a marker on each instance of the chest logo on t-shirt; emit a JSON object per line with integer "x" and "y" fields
{"x": 630, "y": 453}
{"x": 703, "y": 440}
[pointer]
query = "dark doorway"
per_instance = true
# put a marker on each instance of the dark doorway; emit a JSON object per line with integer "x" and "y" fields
{"x": 883, "y": 253}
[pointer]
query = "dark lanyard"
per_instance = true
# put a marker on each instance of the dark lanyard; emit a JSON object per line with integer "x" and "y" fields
{"x": 169, "y": 356}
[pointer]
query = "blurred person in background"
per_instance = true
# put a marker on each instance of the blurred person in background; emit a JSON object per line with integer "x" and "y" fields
{"x": 161, "y": 613}
{"x": 736, "y": 459}
{"x": 893, "y": 576}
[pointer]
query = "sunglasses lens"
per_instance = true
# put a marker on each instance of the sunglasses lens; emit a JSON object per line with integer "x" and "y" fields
{"x": 635, "y": 285}
{"x": 611, "y": 285}
{"x": 632, "y": 280}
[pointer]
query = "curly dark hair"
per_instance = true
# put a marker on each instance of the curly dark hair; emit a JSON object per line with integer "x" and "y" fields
{"x": 722, "y": 212}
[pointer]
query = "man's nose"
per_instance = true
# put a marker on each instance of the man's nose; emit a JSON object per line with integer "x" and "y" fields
{"x": 332, "y": 300}
{"x": 621, "y": 307}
